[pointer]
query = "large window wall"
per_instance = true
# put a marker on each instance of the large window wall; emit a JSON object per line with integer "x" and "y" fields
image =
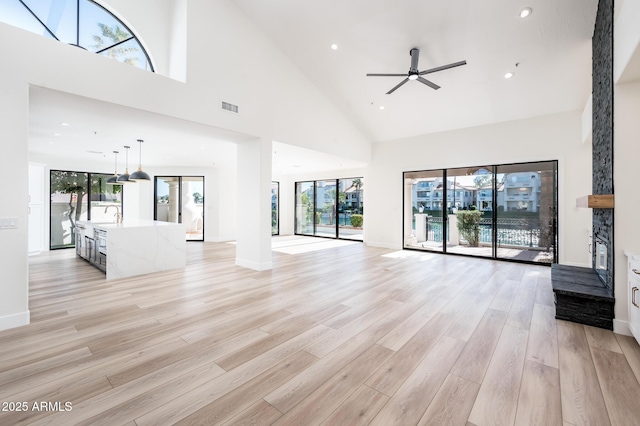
{"x": 79, "y": 196}
{"x": 331, "y": 208}
{"x": 499, "y": 211}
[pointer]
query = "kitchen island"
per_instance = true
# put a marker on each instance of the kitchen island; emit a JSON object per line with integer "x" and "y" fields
{"x": 133, "y": 247}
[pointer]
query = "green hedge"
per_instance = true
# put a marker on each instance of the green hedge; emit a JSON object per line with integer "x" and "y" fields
{"x": 356, "y": 220}
{"x": 469, "y": 226}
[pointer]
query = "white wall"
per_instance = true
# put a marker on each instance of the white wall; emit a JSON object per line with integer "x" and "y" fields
{"x": 275, "y": 99}
{"x": 14, "y": 178}
{"x": 626, "y": 61}
{"x": 626, "y": 152}
{"x": 551, "y": 137}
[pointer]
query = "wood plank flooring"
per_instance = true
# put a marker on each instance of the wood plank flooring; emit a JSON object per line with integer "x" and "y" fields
{"x": 347, "y": 335}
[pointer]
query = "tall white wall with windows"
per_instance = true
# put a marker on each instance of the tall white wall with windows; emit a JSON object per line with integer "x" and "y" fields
{"x": 540, "y": 138}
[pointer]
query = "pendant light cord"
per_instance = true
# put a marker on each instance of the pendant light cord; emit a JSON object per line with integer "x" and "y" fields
{"x": 127, "y": 159}
{"x": 115, "y": 163}
{"x": 140, "y": 155}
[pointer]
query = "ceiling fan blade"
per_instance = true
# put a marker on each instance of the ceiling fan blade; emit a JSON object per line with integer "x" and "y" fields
{"x": 443, "y": 67}
{"x": 428, "y": 83}
{"x": 395, "y": 88}
{"x": 415, "y": 55}
{"x": 387, "y": 75}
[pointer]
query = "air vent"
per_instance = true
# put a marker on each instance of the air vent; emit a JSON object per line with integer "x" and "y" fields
{"x": 229, "y": 107}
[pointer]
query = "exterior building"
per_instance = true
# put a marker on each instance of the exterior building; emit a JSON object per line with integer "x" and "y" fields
{"x": 428, "y": 195}
{"x": 484, "y": 198}
{"x": 354, "y": 197}
{"x": 521, "y": 192}
{"x": 516, "y": 192}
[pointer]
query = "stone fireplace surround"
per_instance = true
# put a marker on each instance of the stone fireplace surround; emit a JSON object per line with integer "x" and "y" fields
{"x": 586, "y": 295}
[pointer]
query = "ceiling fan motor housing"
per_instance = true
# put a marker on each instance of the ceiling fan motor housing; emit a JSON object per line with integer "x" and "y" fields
{"x": 415, "y": 74}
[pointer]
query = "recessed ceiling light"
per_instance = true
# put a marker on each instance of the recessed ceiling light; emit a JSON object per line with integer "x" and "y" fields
{"x": 64, "y": 124}
{"x": 334, "y": 46}
{"x": 508, "y": 75}
{"x": 50, "y": 142}
{"x": 56, "y": 134}
{"x": 381, "y": 107}
{"x": 525, "y": 12}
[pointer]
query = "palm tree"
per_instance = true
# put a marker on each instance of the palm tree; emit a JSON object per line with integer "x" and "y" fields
{"x": 357, "y": 182}
{"x": 113, "y": 42}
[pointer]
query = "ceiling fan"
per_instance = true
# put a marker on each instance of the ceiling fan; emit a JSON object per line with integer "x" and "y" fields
{"x": 414, "y": 74}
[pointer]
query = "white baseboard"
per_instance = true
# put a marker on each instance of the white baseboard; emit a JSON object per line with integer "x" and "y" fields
{"x": 383, "y": 245}
{"x": 15, "y": 320}
{"x": 264, "y": 266}
{"x": 621, "y": 327}
{"x": 582, "y": 265}
{"x": 223, "y": 238}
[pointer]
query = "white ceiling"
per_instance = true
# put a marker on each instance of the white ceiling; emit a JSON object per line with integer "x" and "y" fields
{"x": 95, "y": 129}
{"x": 551, "y": 48}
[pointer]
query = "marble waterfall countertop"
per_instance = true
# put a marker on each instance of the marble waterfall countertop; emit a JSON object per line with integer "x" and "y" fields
{"x": 137, "y": 247}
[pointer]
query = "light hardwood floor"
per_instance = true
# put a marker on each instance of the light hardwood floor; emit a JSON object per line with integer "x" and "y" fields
{"x": 349, "y": 335}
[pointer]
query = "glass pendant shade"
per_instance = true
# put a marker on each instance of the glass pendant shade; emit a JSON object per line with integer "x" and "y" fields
{"x": 113, "y": 180}
{"x": 139, "y": 174}
{"x": 125, "y": 177}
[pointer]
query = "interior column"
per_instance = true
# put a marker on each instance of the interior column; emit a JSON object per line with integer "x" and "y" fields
{"x": 253, "y": 243}
{"x": 174, "y": 198}
{"x": 14, "y": 185}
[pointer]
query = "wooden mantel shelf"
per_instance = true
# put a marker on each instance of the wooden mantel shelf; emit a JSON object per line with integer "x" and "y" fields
{"x": 599, "y": 201}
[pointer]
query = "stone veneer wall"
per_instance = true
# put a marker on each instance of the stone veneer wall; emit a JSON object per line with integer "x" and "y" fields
{"x": 602, "y": 45}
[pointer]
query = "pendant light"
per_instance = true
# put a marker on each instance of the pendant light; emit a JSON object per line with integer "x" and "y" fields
{"x": 125, "y": 178}
{"x": 113, "y": 180}
{"x": 139, "y": 174}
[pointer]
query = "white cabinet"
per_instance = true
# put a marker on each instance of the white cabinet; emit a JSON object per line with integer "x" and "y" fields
{"x": 633, "y": 295}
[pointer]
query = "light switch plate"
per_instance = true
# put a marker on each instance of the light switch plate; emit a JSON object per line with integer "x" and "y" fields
{"x": 8, "y": 222}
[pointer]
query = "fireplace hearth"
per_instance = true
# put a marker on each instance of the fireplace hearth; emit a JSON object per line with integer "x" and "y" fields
{"x": 581, "y": 296}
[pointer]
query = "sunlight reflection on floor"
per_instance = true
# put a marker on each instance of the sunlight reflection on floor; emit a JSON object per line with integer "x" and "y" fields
{"x": 299, "y": 244}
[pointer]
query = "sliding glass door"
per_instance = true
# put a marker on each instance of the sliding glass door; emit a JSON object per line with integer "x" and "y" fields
{"x": 180, "y": 199}
{"x": 526, "y": 214}
{"x": 325, "y": 208}
{"x": 469, "y": 210}
{"x": 332, "y": 208}
{"x": 305, "y": 206}
{"x": 424, "y": 220}
{"x": 499, "y": 211}
{"x": 79, "y": 196}
{"x": 275, "y": 208}
{"x": 350, "y": 209}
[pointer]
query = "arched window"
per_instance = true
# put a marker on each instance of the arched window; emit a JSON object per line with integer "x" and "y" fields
{"x": 82, "y": 23}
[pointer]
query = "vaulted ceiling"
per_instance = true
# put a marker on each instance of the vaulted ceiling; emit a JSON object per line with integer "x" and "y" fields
{"x": 548, "y": 52}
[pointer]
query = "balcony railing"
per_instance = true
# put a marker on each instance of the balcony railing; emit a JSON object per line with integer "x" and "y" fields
{"x": 510, "y": 232}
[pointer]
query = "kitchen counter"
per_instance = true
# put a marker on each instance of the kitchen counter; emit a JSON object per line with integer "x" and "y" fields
{"x": 138, "y": 247}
